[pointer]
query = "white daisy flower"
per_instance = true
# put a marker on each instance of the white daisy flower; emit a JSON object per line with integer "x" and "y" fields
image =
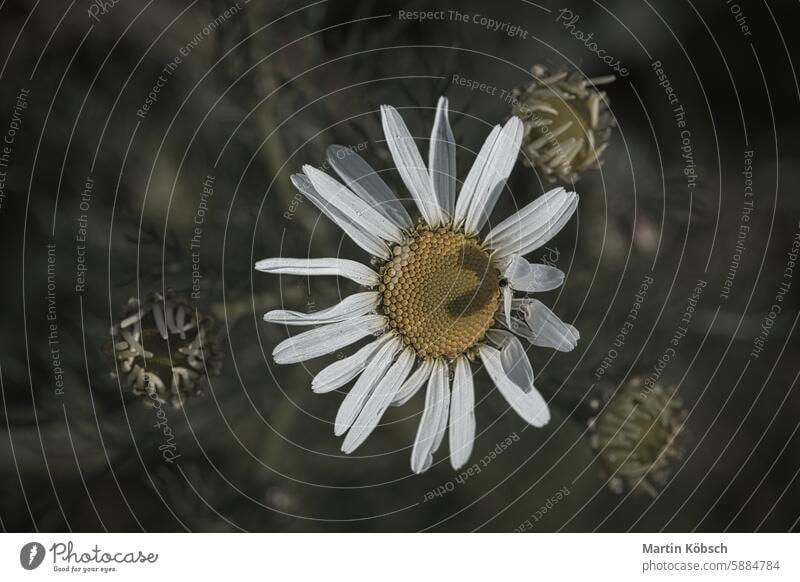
{"x": 443, "y": 296}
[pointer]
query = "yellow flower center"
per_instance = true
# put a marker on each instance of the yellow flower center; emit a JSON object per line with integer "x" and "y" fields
{"x": 440, "y": 292}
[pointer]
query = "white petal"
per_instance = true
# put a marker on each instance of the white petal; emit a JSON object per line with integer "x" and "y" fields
{"x": 532, "y": 278}
{"x": 513, "y": 357}
{"x": 540, "y": 326}
{"x": 367, "y": 184}
{"x": 354, "y": 208}
{"x": 442, "y": 428}
{"x": 498, "y": 167}
{"x": 340, "y": 267}
{"x": 355, "y": 399}
{"x": 413, "y": 384}
{"x": 475, "y": 176}
{"x": 462, "y": 414}
{"x": 352, "y": 306}
{"x": 341, "y": 372}
{"x": 532, "y": 228}
{"x": 508, "y": 296}
{"x": 513, "y": 223}
{"x": 529, "y": 405}
{"x": 437, "y": 401}
{"x": 410, "y": 165}
{"x": 379, "y": 401}
{"x": 367, "y": 240}
{"x": 516, "y": 364}
{"x": 324, "y": 340}
{"x": 442, "y": 160}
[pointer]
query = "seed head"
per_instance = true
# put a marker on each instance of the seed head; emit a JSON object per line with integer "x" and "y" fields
{"x": 164, "y": 349}
{"x": 639, "y": 436}
{"x": 567, "y": 122}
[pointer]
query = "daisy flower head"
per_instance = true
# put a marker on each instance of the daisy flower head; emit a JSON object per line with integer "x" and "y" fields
{"x": 443, "y": 297}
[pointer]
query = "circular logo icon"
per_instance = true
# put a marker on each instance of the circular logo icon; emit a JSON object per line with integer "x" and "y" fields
{"x": 31, "y": 555}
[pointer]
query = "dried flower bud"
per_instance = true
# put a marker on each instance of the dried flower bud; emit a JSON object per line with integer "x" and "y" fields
{"x": 567, "y": 122}
{"x": 164, "y": 348}
{"x": 639, "y": 437}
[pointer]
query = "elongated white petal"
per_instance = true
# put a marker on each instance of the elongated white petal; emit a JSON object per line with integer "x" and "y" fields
{"x": 540, "y": 326}
{"x": 355, "y": 399}
{"x": 437, "y": 401}
{"x": 442, "y": 428}
{"x": 534, "y": 229}
{"x": 379, "y": 401}
{"x": 367, "y": 184}
{"x": 535, "y": 239}
{"x": 462, "y": 414}
{"x": 513, "y": 224}
{"x": 341, "y": 372}
{"x": 411, "y": 386}
{"x": 513, "y": 357}
{"x": 352, "y": 306}
{"x": 367, "y": 240}
{"x": 409, "y": 163}
{"x": 324, "y": 340}
{"x": 532, "y": 278}
{"x": 475, "y": 176}
{"x": 528, "y": 404}
{"x": 357, "y": 210}
{"x": 516, "y": 364}
{"x": 493, "y": 177}
{"x": 340, "y": 267}
{"x": 508, "y": 296}
{"x": 442, "y": 160}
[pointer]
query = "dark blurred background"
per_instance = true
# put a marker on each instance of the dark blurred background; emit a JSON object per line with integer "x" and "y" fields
{"x": 264, "y": 90}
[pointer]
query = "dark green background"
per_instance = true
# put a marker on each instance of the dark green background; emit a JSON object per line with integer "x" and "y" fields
{"x": 266, "y": 93}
